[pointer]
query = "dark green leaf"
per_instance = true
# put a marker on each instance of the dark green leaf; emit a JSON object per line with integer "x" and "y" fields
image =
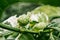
{"x": 26, "y": 36}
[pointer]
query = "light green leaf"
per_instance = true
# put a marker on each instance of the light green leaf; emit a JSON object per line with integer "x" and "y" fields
{"x": 56, "y": 28}
{"x": 50, "y": 11}
{"x": 2, "y": 38}
{"x": 12, "y": 36}
{"x": 51, "y": 36}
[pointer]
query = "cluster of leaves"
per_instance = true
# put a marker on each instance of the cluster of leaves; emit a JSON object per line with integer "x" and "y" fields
{"x": 36, "y": 26}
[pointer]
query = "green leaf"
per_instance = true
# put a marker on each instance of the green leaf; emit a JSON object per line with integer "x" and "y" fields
{"x": 2, "y": 38}
{"x": 51, "y": 36}
{"x": 12, "y": 36}
{"x": 49, "y": 11}
{"x": 56, "y": 37}
{"x": 26, "y": 36}
{"x": 56, "y": 28}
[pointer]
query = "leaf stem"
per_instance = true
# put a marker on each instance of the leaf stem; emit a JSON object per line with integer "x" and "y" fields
{"x": 5, "y": 26}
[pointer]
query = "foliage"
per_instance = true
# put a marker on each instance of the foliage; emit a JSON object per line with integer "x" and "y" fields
{"x": 38, "y": 28}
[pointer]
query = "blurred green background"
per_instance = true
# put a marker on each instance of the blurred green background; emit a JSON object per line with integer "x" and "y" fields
{"x": 5, "y": 3}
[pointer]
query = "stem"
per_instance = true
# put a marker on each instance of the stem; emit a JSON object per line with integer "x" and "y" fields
{"x": 5, "y": 26}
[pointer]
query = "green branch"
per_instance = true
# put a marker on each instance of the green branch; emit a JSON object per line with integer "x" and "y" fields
{"x": 5, "y": 26}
